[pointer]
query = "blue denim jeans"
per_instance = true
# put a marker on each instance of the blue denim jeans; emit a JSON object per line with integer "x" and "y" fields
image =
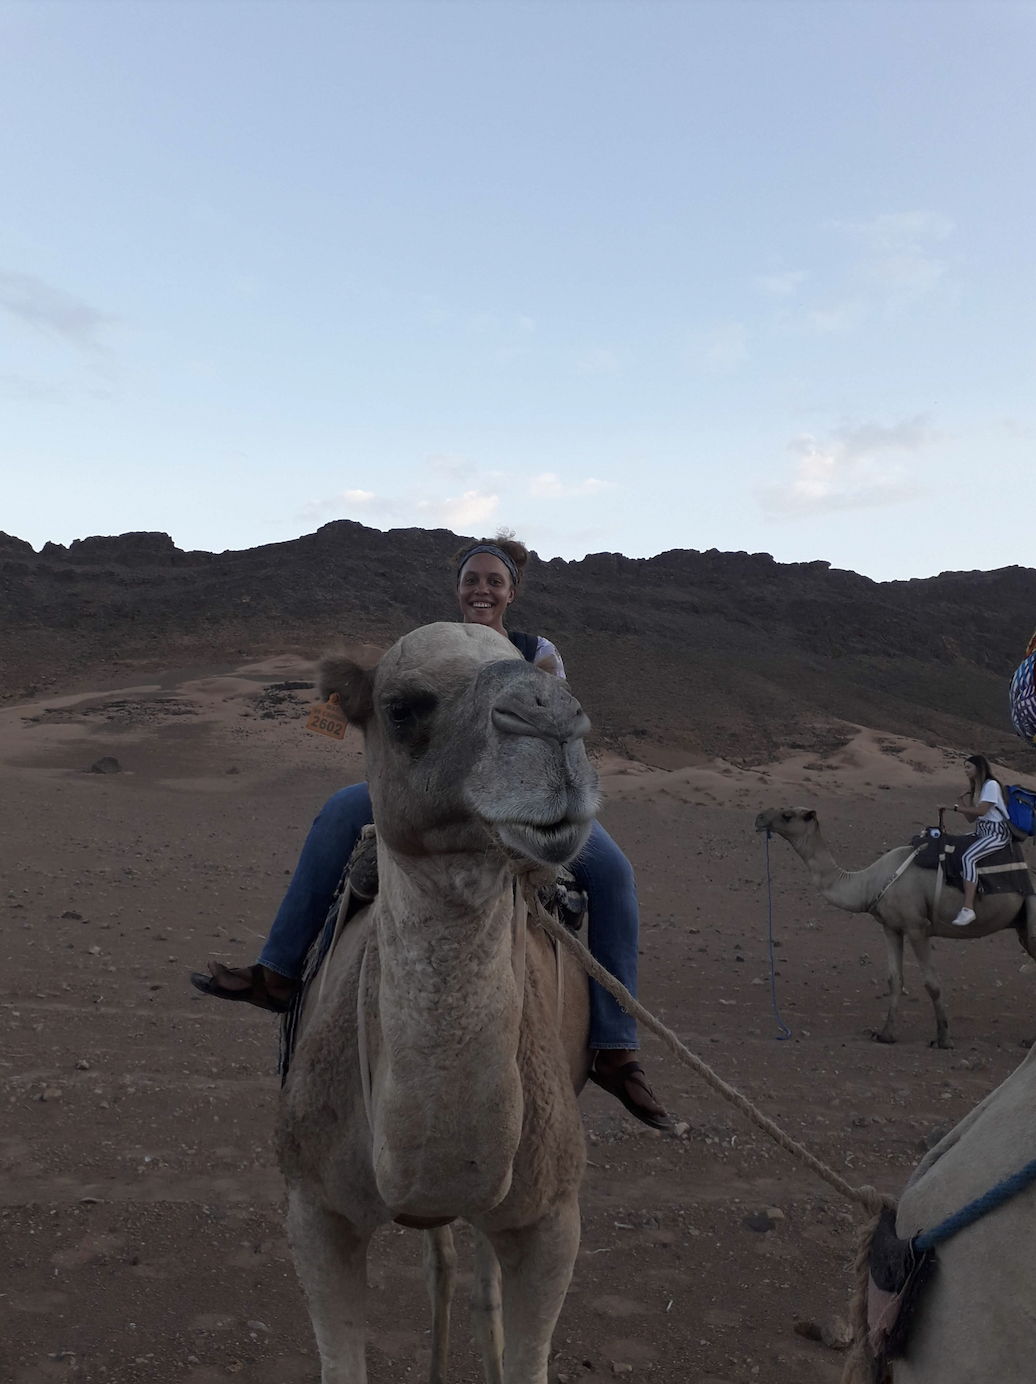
{"x": 600, "y": 869}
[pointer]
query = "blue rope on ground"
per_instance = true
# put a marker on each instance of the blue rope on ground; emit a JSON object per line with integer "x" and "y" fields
{"x": 773, "y": 979}
{"x": 975, "y": 1210}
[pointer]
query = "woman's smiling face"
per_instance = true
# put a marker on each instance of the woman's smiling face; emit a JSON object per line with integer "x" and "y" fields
{"x": 485, "y": 590}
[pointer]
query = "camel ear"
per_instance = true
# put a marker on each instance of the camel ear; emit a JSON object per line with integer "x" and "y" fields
{"x": 353, "y": 681}
{"x": 809, "y": 816}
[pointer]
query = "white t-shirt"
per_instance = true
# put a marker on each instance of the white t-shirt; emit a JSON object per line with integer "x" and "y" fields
{"x": 991, "y": 794}
{"x": 545, "y": 649}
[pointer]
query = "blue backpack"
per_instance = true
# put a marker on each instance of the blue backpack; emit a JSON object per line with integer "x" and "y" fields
{"x": 1021, "y": 808}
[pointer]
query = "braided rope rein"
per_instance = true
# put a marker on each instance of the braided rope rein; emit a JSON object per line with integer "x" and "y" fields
{"x": 868, "y": 1197}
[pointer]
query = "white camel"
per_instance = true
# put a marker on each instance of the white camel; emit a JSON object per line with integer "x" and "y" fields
{"x": 904, "y": 911}
{"x": 432, "y": 1078}
{"x": 974, "y": 1321}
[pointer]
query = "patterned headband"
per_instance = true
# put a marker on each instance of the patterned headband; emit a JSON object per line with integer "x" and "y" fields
{"x": 493, "y": 551}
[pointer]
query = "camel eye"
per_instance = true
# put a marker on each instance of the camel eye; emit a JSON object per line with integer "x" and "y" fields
{"x": 788, "y": 816}
{"x": 407, "y": 717}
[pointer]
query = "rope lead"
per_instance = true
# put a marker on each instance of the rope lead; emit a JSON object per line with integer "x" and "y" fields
{"x": 867, "y": 1197}
{"x": 781, "y": 1037}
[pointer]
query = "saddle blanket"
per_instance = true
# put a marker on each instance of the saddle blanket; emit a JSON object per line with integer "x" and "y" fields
{"x": 1004, "y": 872}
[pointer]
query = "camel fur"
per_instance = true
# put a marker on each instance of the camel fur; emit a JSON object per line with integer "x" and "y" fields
{"x": 975, "y": 1319}
{"x": 477, "y": 768}
{"x": 905, "y": 912}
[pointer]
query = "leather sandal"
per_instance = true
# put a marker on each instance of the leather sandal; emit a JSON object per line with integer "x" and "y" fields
{"x": 615, "y": 1083}
{"x": 241, "y": 984}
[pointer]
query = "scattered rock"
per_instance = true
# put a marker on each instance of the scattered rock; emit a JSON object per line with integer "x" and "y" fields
{"x": 51, "y": 1093}
{"x": 759, "y": 1223}
{"x": 233, "y": 771}
{"x": 809, "y": 1329}
{"x": 680, "y": 1129}
{"x": 82, "y": 1065}
{"x": 933, "y": 1137}
{"x": 775, "y": 1213}
{"x": 76, "y": 917}
{"x": 107, "y": 764}
{"x": 836, "y": 1334}
{"x": 618, "y": 1368}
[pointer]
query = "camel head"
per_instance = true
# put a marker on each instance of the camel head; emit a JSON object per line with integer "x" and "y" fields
{"x": 795, "y": 824}
{"x": 467, "y": 743}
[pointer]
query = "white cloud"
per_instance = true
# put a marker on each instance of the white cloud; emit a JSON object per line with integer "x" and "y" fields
{"x": 849, "y": 470}
{"x": 1013, "y": 428}
{"x": 419, "y": 510}
{"x": 51, "y": 310}
{"x": 453, "y": 464}
{"x": 725, "y": 346}
{"x": 899, "y": 258}
{"x": 599, "y": 360}
{"x": 836, "y": 317}
{"x": 548, "y": 486}
{"x": 473, "y": 507}
{"x": 781, "y": 285}
{"x": 19, "y": 390}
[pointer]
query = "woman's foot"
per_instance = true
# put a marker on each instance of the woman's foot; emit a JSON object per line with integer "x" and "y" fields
{"x": 964, "y": 917}
{"x": 256, "y": 985}
{"x": 621, "y": 1075}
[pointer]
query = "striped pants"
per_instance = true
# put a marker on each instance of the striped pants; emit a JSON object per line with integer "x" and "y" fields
{"x": 989, "y": 837}
{"x": 1023, "y": 700}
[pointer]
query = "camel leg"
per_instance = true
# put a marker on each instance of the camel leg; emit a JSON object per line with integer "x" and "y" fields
{"x": 486, "y": 1319}
{"x": 1027, "y": 932}
{"x": 331, "y": 1261}
{"x": 440, "y": 1269}
{"x": 536, "y": 1265}
{"x": 922, "y": 949}
{"x": 894, "y": 951}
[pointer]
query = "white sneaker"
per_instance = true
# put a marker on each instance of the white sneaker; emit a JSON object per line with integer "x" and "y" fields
{"x": 964, "y": 917}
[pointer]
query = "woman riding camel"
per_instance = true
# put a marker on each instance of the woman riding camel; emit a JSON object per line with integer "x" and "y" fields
{"x": 488, "y": 574}
{"x": 985, "y": 807}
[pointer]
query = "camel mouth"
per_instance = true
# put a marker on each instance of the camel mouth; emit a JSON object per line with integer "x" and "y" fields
{"x": 554, "y": 844}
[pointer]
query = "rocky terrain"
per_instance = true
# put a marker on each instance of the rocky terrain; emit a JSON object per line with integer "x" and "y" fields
{"x": 678, "y": 657}
{"x": 156, "y": 783}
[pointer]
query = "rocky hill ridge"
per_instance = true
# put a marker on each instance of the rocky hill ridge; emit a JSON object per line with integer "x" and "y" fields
{"x": 687, "y": 654}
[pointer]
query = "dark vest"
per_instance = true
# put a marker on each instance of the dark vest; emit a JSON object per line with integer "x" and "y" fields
{"x": 526, "y": 644}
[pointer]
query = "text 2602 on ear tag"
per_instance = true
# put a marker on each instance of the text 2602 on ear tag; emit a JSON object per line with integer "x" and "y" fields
{"x": 327, "y": 718}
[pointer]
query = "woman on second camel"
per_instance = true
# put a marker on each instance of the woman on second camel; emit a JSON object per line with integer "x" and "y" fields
{"x": 984, "y": 805}
{"x": 488, "y": 574}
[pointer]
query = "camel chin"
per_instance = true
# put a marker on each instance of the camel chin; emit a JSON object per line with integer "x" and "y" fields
{"x": 555, "y": 844}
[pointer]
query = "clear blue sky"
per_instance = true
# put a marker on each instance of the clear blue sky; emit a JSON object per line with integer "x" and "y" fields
{"x": 627, "y": 276}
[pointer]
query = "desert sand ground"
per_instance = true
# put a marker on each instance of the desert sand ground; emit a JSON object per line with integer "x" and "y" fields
{"x": 140, "y": 1210}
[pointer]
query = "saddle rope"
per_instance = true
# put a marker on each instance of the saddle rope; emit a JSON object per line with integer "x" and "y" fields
{"x": 885, "y": 888}
{"x": 868, "y": 1197}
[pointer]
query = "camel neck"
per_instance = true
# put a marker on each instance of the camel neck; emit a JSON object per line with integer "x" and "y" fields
{"x": 852, "y": 890}
{"x": 448, "y": 1011}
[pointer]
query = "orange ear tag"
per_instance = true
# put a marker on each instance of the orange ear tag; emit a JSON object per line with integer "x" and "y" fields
{"x": 327, "y": 718}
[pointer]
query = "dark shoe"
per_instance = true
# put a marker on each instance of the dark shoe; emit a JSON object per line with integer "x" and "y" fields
{"x": 245, "y": 984}
{"x": 617, "y": 1084}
